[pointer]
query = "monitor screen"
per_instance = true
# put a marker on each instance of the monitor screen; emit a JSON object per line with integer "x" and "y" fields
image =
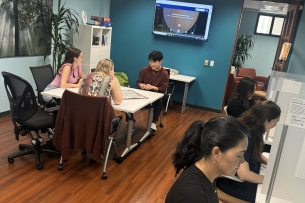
{"x": 181, "y": 19}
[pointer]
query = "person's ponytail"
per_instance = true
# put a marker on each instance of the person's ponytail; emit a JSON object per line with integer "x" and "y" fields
{"x": 188, "y": 151}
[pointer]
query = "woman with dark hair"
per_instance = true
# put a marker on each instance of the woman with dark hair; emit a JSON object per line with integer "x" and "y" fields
{"x": 259, "y": 119}
{"x": 242, "y": 97}
{"x": 69, "y": 74}
{"x": 208, "y": 150}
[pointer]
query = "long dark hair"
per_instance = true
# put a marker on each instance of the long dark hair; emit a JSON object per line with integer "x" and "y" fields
{"x": 69, "y": 56}
{"x": 255, "y": 118}
{"x": 244, "y": 89}
{"x": 200, "y": 138}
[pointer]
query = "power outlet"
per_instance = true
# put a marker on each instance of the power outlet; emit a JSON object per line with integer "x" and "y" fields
{"x": 211, "y": 63}
{"x": 206, "y": 62}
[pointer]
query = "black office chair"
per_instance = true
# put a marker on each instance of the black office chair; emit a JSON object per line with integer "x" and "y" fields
{"x": 169, "y": 92}
{"x": 27, "y": 118}
{"x": 43, "y": 76}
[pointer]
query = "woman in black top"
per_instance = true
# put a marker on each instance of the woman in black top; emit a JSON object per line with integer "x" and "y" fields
{"x": 242, "y": 98}
{"x": 206, "y": 152}
{"x": 259, "y": 119}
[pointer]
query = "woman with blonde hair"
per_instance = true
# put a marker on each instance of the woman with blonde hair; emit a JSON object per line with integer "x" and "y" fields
{"x": 102, "y": 82}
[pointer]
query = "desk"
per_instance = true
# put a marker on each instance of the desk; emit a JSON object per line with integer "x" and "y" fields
{"x": 128, "y": 106}
{"x": 186, "y": 79}
{"x": 261, "y": 198}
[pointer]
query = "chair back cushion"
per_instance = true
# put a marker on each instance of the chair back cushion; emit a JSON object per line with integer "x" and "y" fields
{"x": 43, "y": 75}
{"x": 247, "y": 72}
{"x": 83, "y": 122}
{"x": 21, "y": 97}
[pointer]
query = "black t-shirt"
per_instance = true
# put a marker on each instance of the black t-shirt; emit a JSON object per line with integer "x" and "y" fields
{"x": 242, "y": 190}
{"x": 235, "y": 108}
{"x": 192, "y": 186}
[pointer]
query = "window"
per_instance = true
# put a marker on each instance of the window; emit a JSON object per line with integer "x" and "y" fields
{"x": 270, "y": 25}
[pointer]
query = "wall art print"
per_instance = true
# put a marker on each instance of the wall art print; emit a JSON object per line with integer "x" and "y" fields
{"x": 20, "y": 31}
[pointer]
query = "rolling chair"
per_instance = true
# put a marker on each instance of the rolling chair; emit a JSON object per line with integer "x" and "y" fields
{"x": 169, "y": 92}
{"x": 43, "y": 76}
{"x": 26, "y": 118}
{"x": 87, "y": 128}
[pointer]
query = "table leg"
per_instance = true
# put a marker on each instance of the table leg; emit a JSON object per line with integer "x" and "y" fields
{"x": 184, "y": 107}
{"x": 150, "y": 117}
{"x": 129, "y": 147}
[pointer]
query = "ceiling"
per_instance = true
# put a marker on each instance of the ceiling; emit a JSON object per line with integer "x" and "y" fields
{"x": 254, "y": 5}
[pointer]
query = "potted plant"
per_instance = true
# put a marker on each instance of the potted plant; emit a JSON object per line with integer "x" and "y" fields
{"x": 59, "y": 28}
{"x": 243, "y": 44}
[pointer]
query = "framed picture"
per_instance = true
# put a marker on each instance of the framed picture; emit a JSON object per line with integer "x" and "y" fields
{"x": 20, "y": 31}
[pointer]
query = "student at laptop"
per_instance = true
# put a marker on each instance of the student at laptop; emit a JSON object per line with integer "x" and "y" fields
{"x": 243, "y": 97}
{"x": 208, "y": 150}
{"x": 259, "y": 119}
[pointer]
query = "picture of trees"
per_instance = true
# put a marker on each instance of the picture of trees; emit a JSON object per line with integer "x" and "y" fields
{"x": 20, "y": 31}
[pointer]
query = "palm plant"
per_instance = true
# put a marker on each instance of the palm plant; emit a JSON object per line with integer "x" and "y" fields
{"x": 244, "y": 43}
{"x": 59, "y": 29}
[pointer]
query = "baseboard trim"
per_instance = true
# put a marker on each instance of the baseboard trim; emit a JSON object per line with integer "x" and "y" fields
{"x": 198, "y": 107}
{"x": 4, "y": 114}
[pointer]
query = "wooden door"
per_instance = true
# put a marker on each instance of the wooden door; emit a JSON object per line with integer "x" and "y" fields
{"x": 287, "y": 33}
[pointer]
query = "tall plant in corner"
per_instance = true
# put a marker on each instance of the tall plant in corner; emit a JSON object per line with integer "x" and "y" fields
{"x": 244, "y": 43}
{"x": 60, "y": 27}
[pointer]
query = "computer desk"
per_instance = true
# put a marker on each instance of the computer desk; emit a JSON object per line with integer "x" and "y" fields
{"x": 186, "y": 79}
{"x": 128, "y": 106}
{"x": 260, "y": 197}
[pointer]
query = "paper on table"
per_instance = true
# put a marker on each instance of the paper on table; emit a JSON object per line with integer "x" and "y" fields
{"x": 296, "y": 113}
{"x": 129, "y": 94}
{"x": 291, "y": 86}
{"x": 300, "y": 171}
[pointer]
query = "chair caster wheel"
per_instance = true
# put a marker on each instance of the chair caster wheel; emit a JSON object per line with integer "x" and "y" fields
{"x": 60, "y": 167}
{"x": 104, "y": 176}
{"x": 119, "y": 160}
{"x": 164, "y": 113}
{"x": 10, "y": 160}
{"x": 115, "y": 157}
{"x": 161, "y": 125}
{"x": 39, "y": 167}
{"x": 83, "y": 152}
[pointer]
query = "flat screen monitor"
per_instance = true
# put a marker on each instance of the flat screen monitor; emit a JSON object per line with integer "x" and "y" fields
{"x": 181, "y": 19}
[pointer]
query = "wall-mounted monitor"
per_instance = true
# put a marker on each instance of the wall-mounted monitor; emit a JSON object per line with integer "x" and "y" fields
{"x": 181, "y": 19}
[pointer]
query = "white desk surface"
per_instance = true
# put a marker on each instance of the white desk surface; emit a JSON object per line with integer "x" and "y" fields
{"x": 261, "y": 198}
{"x": 182, "y": 78}
{"x": 129, "y": 106}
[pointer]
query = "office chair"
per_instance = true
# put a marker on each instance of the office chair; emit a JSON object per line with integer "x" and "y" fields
{"x": 27, "y": 118}
{"x": 169, "y": 92}
{"x": 89, "y": 127}
{"x": 43, "y": 76}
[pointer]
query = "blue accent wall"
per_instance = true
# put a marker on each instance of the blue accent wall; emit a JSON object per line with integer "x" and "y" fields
{"x": 132, "y": 41}
{"x": 20, "y": 65}
{"x": 297, "y": 57}
{"x": 264, "y": 49}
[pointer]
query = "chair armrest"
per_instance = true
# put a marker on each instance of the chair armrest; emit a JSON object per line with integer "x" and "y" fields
{"x": 248, "y": 76}
{"x": 237, "y": 79}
